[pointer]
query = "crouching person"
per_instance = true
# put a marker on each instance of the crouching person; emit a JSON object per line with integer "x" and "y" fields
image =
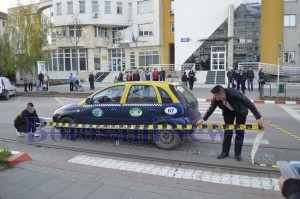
{"x": 27, "y": 121}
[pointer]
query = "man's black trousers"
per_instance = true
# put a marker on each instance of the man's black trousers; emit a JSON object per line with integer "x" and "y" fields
{"x": 229, "y": 118}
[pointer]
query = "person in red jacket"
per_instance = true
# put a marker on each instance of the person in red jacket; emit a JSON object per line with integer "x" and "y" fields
{"x": 155, "y": 75}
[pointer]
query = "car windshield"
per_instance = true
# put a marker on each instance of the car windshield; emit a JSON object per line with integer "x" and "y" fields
{"x": 186, "y": 95}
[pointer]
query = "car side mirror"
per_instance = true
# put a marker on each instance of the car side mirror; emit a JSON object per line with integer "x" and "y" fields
{"x": 88, "y": 101}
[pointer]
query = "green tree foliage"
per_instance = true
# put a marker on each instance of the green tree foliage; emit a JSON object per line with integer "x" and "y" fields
{"x": 27, "y": 36}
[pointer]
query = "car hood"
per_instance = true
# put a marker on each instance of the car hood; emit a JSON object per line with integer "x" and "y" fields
{"x": 67, "y": 107}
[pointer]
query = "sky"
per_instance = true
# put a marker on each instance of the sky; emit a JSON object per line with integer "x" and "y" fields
{"x": 5, "y": 4}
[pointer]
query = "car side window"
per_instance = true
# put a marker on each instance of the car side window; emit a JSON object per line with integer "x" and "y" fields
{"x": 165, "y": 97}
{"x": 110, "y": 95}
{"x": 141, "y": 94}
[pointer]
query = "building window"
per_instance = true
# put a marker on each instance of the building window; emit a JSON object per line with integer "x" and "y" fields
{"x": 95, "y": 7}
{"x": 71, "y": 31}
{"x": 132, "y": 59}
{"x": 68, "y": 59}
{"x": 289, "y": 20}
{"x": 148, "y": 57}
{"x": 172, "y": 28}
{"x": 53, "y": 37}
{"x": 100, "y": 32}
{"x": 289, "y": 57}
{"x": 117, "y": 34}
{"x": 145, "y": 6}
{"x": 82, "y": 6}
{"x": 130, "y": 11}
{"x": 58, "y": 9}
{"x": 107, "y": 7}
{"x": 119, "y": 8}
{"x": 70, "y": 7}
{"x": 146, "y": 29}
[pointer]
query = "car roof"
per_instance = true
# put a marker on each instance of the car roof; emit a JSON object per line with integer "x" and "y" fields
{"x": 156, "y": 83}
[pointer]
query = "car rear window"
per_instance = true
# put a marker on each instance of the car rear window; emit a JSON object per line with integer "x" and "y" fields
{"x": 184, "y": 94}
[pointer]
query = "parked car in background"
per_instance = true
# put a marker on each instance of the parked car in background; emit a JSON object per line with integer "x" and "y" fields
{"x": 7, "y": 89}
{"x": 137, "y": 103}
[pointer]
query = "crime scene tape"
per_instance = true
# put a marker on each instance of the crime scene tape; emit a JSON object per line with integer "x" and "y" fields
{"x": 181, "y": 127}
{"x": 282, "y": 130}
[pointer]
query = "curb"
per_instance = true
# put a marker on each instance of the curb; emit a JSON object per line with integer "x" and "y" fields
{"x": 18, "y": 157}
{"x": 261, "y": 101}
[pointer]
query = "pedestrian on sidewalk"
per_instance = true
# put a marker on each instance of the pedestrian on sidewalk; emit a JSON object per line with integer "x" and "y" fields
{"x": 27, "y": 121}
{"x": 234, "y": 106}
{"x": 41, "y": 78}
{"x": 184, "y": 79}
{"x": 25, "y": 80}
{"x": 250, "y": 77}
{"x": 191, "y": 78}
{"x": 71, "y": 80}
{"x": 30, "y": 82}
{"x": 92, "y": 81}
{"x": 230, "y": 79}
{"x": 261, "y": 79}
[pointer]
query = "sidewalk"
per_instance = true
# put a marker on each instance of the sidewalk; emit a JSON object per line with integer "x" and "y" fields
{"x": 201, "y": 91}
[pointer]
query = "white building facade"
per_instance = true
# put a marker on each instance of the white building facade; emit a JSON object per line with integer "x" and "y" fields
{"x": 102, "y": 35}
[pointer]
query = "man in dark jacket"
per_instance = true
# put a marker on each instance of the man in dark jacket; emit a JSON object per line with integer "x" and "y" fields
{"x": 92, "y": 81}
{"x": 26, "y": 121}
{"x": 41, "y": 79}
{"x": 136, "y": 76}
{"x": 235, "y": 107}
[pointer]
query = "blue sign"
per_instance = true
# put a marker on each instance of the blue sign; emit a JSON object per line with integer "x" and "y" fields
{"x": 185, "y": 39}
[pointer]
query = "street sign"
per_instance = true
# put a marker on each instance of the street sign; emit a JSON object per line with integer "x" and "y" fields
{"x": 186, "y": 39}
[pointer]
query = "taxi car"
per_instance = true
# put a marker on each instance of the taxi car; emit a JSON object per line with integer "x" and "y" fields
{"x": 136, "y": 103}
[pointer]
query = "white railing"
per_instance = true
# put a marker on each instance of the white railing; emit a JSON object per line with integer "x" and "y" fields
{"x": 291, "y": 70}
{"x": 266, "y": 67}
{"x": 172, "y": 67}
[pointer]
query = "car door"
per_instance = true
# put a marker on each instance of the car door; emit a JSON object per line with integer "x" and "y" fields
{"x": 141, "y": 106}
{"x": 104, "y": 107}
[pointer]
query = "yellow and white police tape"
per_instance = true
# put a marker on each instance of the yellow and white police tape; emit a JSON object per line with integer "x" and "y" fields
{"x": 181, "y": 127}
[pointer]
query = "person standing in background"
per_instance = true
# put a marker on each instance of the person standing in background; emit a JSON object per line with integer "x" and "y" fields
{"x": 25, "y": 80}
{"x": 92, "y": 81}
{"x": 191, "y": 77}
{"x": 41, "y": 79}
{"x": 184, "y": 79}
{"x": 71, "y": 81}
{"x": 250, "y": 77}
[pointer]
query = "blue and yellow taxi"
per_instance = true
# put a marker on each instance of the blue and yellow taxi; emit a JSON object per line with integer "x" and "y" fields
{"x": 136, "y": 103}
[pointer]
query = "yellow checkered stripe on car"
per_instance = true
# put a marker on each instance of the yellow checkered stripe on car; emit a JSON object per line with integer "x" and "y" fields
{"x": 182, "y": 127}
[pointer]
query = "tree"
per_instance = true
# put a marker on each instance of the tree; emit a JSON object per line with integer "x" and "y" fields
{"x": 27, "y": 36}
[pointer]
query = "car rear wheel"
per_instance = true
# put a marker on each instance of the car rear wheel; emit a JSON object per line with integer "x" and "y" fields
{"x": 68, "y": 133}
{"x": 167, "y": 139}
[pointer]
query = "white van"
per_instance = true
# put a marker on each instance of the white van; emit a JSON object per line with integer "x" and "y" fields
{"x": 7, "y": 89}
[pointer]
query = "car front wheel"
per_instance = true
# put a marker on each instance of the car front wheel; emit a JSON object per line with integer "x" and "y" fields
{"x": 7, "y": 95}
{"x": 68, "y": 133}
{"x": 166, "y": 139}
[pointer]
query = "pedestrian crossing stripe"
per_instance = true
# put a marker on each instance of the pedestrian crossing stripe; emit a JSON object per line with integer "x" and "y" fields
{"x": 182, "y": 127}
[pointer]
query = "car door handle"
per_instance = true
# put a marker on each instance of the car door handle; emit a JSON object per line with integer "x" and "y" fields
{"x": 151, "y": 110}
{"x": 114, "y": 110}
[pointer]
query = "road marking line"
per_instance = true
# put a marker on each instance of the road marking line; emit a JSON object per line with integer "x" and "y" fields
{"x": 172, "y": 172}
{"x": 59, "y": 101}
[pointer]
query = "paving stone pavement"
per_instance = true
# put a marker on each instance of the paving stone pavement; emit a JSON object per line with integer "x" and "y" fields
{"x": 50, "y": 175}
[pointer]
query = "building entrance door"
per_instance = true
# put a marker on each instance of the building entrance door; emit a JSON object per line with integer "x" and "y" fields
{"x": 117, "y": 64}
{"x": 218, "y": 58}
